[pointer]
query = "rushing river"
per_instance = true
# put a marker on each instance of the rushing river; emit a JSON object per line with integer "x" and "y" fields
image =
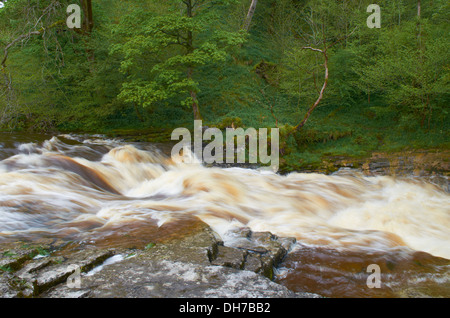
{"x": 99, "y": 191}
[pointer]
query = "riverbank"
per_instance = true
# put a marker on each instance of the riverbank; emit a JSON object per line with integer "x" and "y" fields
{"x": 398, "y": 161}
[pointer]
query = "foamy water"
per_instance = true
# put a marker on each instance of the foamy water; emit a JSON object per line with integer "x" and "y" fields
{"x": 55, "y": 188}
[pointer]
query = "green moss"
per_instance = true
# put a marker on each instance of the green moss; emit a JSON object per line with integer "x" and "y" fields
{"x": 9, "y": 254}
{"x": 6, "y": 268}
{"x": 149, "y": 246}
{"x": 41, "y": 251}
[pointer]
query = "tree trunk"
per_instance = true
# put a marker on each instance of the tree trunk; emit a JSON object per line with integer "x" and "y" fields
{"x": 195, "y": 107}
{"x": 138, "y": 113}
{"x": 324, "y": 86}
{"x": 88, "y": 24}
{"x": 419, "y": 27}
{"x": 418, "y": 9}
{"x": 421, "y": 62}
{"x": 86, "y": 29}
{"x": 190, "y": 48}
{"x": 251, "y": 12}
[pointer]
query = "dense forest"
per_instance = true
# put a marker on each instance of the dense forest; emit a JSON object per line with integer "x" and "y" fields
{"x": 313, "y": 68}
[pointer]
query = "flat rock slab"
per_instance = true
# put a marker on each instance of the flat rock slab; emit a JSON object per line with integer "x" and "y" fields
{"x": 141, "y": 277}
{"x": 192, "y": 262}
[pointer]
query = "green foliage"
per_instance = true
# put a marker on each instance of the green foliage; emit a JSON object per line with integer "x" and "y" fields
{"x": 411, "y": 72}
{"x": 229, "y": 122}
{"x": 387, "y": 88}
{"x": 172, "y": 46}
{"x": 149, "y": 246}
{"x": 41, "y": 251}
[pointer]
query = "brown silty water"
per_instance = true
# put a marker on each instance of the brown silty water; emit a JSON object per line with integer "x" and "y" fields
{"x": 110, "y": 193}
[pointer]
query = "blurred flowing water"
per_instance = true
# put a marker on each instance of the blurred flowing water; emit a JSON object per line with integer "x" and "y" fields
{"x": 99, "y": 191}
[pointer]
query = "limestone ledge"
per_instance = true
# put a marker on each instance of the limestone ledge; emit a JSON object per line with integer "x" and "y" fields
{"x": 193, "y": 264}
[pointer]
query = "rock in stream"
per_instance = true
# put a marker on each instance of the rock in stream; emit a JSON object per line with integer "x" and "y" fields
{"x": 194, "y": 264}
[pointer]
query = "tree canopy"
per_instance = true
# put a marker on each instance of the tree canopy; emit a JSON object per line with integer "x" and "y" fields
{"x": 313, "y": 68}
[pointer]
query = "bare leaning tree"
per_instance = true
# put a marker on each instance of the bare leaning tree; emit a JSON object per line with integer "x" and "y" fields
{"x": 321, "y": 43}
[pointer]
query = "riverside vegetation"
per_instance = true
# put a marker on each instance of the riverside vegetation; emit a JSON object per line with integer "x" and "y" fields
{"x": 143, "y": 68}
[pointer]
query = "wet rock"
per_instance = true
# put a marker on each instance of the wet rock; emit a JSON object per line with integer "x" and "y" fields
{"x": 199, "y": 245}
{"x": 12, "y": 286}
{"x": 6, "y": 290}
{"x": 379, "y": 166}
{"x": 59, "y": 273}
{"x": 249, "y": 245}
{"x": 263, "y": 236}
{"x": 243, "y": 232}
{"x": 196, "y": 264}
{"x": 52, "y": 277}
{"x": 193, "y": 262}
{"x": 263, "y": 250}
{"x": 33, "y": 267}
{"x": 145, "y": 278}
{"x": 287, "y": 242}
{"x": 11, "y": 263}
{"x": 66, "y": 292}
{"x": 14, "y": 255}
{"x": 254, "y": 263}
{"x": 27, "y": 272}
{"x": 230, "y": 257}
{"x": 419, "y": 163}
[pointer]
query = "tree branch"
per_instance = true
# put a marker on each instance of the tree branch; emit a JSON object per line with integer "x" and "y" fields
{"x": 20, "y": 38}
{"x": 312, "y": 49}
{"x": 319, "y": 98}
{"x": 26, "y": 36}
{"x": 343, "y": 38}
